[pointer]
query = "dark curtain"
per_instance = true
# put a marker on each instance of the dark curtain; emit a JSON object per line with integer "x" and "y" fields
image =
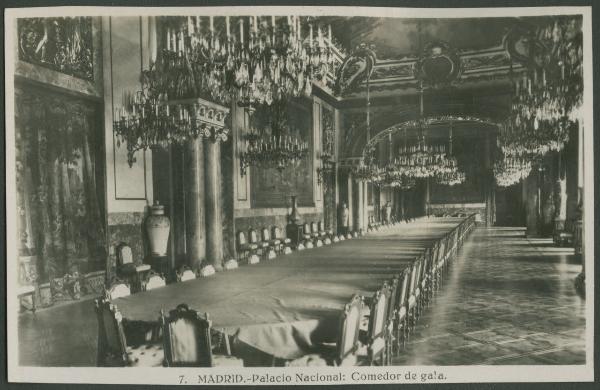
{"x": 59, "y": 152}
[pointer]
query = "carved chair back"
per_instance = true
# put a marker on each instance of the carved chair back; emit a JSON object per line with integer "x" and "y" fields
{"x": 241, "y": 238}
{"x": 347, "y": 342}
{"x": 253, "y": 236}
{"x": 277, "y": 234}
{"x": 185, "y": 273}
{"x": 313, "y": 227}
{"x": 186, "y": 338}
{"x": 378, "y": 316}
{"x": 394, "y": 287}
{"x": 124, "y": 255}
{"x": 266, "y": 235}
{"x": 154, "y": 280}
{"x": 321, "y": 226}
{"x": 111, "y": 336}
{"x": 403, "y": 290}
{"x": 118, "y": 289}
{"x": 306, "y": 228}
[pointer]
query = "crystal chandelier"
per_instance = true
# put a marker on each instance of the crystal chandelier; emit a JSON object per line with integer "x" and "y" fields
{"x": 423, "y": 160}
{"x": 250, "y": 60}
{"x": 510, "y": 170}
{"x": 276, "y": 148}
{"x": 548, "y": 97}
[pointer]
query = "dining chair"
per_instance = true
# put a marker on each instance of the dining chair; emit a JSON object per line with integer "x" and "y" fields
{"x": 153, "y": 281}
{"x": 254, "y": 240}
{"x": 27, "y": 287}
{"x": 185, "y": 273}
{"x": 117, "y": 289}
{"x": 390, "y": 322}
{"x": 127, "y": 269}
{"x": 285, "y": 242}
{"x": 411, "y": 299}
{"x": 315, "y": 234}
{"x": 273, "y": 244}
{"x": 402, "y": 308}
{"x": 376, "y": 339}
{"x": 113, "y": 350}
{"x": 343, "y": 351}
{"x": 187, "y": 340}
{"x": 246, "y": 249}
{"x": 326, "y": 234}
{"x": 307, "y": 236}
{"x": 207, "y": 270}
{"x": 230, "y": 264}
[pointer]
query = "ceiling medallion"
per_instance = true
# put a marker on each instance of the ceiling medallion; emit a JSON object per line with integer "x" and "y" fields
{"x": 439, "y": 64}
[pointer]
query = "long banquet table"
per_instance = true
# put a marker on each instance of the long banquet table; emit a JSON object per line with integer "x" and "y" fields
{"x": 284, "y": 306}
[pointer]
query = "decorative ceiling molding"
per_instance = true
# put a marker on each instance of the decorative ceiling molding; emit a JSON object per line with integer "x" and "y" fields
{"x": 492, "y": 65}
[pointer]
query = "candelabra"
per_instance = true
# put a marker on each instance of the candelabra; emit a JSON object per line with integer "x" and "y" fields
{"x": 150, "y": 122}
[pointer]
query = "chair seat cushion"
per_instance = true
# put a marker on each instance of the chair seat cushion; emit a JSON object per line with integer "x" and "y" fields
{"x": 286, "y": 240}
{"x": 225, "y": 360}
{"x": 275, "y": 242}
{"x": 146, "y": 355}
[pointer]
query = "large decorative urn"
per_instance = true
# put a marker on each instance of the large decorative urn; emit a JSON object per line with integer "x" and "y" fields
{"x": 294, "y": 216}
{"x": 158, "y": 227}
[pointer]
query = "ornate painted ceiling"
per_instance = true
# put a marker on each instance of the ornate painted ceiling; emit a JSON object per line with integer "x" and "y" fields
{"x": 480, "y": 87}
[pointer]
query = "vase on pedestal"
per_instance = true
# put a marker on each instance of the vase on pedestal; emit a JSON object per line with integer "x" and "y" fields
{"x": 294, "y": 216}
{"x": 158, "y": 227}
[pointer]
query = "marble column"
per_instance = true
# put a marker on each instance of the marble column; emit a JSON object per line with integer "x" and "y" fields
{"x": 214, "y": 232}
{"x": 402, "y": 202}
{"x": 427, "y": 196}
{"x": 351, "y": 208}
{"x": 365, "y": 218}
{"x": 532, "y": 204}
{"x": 194, "y": 203}
{"x": 359, "y": 205}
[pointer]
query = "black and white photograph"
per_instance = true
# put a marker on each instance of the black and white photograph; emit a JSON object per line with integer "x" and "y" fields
{"x": 278, "y": 195}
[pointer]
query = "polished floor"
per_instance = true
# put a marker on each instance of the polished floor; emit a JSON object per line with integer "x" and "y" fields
{"x": 506, "y": 300}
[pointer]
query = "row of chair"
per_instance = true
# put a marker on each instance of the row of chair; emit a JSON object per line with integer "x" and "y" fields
{"x": 119, "y": 288}
{"x": 272, "y": 241}
{"x": 392, "y": 314}
{"x": 393, "y": 310}
{"x": 187, "y": 340}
